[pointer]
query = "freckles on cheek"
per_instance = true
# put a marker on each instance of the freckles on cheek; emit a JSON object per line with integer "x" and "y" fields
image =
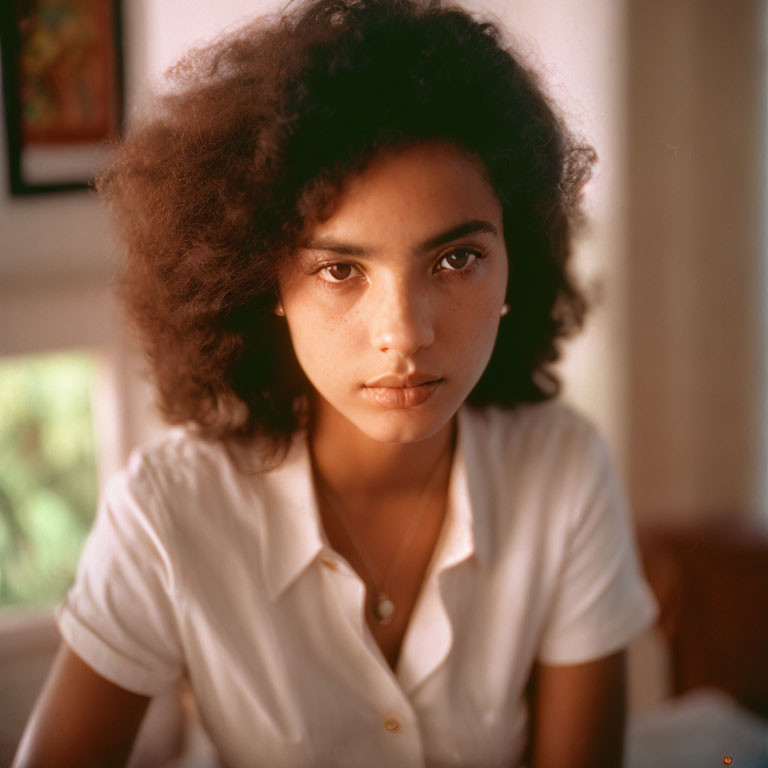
{"x": 473, "y": 330}
{"x": 474, "y": 315}
{"x": 322, "y": 336}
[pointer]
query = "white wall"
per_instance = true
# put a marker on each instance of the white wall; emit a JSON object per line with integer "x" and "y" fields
{"x": 578, "y": 49}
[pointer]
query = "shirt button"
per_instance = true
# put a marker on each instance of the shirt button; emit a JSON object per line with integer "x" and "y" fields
{"x": 392, "y": 724}
{"x": 329, "y": 564}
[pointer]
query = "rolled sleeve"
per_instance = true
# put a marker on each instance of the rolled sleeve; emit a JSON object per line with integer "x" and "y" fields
{"x": 119, "y": 616}
{"x": 602, "y": 599}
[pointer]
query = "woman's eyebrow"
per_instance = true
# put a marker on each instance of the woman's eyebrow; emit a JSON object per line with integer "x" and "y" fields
{"x": 473, "y": 227}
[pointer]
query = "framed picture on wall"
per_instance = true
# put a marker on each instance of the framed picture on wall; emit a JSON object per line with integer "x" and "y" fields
{"x": 62, "y": 89}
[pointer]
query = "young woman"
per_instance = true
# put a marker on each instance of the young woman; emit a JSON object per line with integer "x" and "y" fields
{"x": 375, "y": 539}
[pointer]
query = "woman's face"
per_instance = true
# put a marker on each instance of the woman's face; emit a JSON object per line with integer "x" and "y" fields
{"x": 393, "y": 303}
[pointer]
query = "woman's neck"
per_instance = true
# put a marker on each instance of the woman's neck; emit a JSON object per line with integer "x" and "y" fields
{"x": 351, "y": 464}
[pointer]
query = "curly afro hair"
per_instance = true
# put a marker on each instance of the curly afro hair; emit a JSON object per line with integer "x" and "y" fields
{"x": 211, "y": 189}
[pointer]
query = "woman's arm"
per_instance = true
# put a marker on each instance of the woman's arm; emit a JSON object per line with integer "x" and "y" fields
{"x": 578, "y": 713}
{"x": 80, "y": 720}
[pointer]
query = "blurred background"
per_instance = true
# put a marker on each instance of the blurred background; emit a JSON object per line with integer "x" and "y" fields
{"x": 671, "y": 366}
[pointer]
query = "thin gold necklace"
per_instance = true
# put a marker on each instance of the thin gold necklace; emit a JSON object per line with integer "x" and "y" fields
{"x": 382, "y": 606}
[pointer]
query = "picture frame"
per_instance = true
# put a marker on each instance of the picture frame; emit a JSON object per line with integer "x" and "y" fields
{"x": 62, "y": 90}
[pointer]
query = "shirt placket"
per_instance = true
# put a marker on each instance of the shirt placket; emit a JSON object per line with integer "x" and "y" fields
{"x": 394, "y": 727}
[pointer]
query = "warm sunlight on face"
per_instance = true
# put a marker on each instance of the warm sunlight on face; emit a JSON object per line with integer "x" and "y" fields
{"x": 393, "y": 306}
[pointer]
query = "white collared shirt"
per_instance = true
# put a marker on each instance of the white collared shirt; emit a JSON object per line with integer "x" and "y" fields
{"x": 195, "y": 568}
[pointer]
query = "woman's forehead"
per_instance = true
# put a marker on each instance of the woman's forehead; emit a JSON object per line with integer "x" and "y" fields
{"x": 422, "y": 190}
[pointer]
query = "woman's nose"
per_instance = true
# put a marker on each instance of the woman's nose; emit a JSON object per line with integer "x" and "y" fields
{"x": 401, "y": 320}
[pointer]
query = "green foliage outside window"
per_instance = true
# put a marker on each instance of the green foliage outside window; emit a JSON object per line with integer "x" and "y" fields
{"x": 48, "y": 481}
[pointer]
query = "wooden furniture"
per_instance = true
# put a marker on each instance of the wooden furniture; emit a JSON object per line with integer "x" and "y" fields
{"x": 712, "y": 586}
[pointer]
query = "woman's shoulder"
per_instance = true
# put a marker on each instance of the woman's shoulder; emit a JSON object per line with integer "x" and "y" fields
{"x": 548, "y": 449}
{"x": 181, "y": 453}
{"x": 189, "y": 496}
{"x": 181, "y": 470}
{"x": 175, "y": 456}
{"x": 538, "y": 470}
{"x": 532, "y": 428}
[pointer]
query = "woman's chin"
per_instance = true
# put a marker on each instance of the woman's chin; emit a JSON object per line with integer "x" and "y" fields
{"x": 403, "y": 425}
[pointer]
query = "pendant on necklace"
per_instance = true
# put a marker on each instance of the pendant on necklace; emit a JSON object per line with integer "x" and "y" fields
{"x": 383, "y": 609}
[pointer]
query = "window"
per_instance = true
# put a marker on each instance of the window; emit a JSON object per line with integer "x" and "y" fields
{"x": 48, "y": 480}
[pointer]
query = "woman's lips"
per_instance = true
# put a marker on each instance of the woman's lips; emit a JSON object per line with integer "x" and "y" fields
{"x": 402, "y": 397}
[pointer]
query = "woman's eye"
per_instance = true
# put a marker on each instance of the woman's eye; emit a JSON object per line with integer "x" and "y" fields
{"x": 337, "y": 273}
{"x": 459, "y": 259}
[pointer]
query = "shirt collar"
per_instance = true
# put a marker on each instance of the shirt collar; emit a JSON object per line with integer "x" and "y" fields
{"x": 472, "y": 488}
{"x": 294, "y": 534}
{"x": 464, "y": 538}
